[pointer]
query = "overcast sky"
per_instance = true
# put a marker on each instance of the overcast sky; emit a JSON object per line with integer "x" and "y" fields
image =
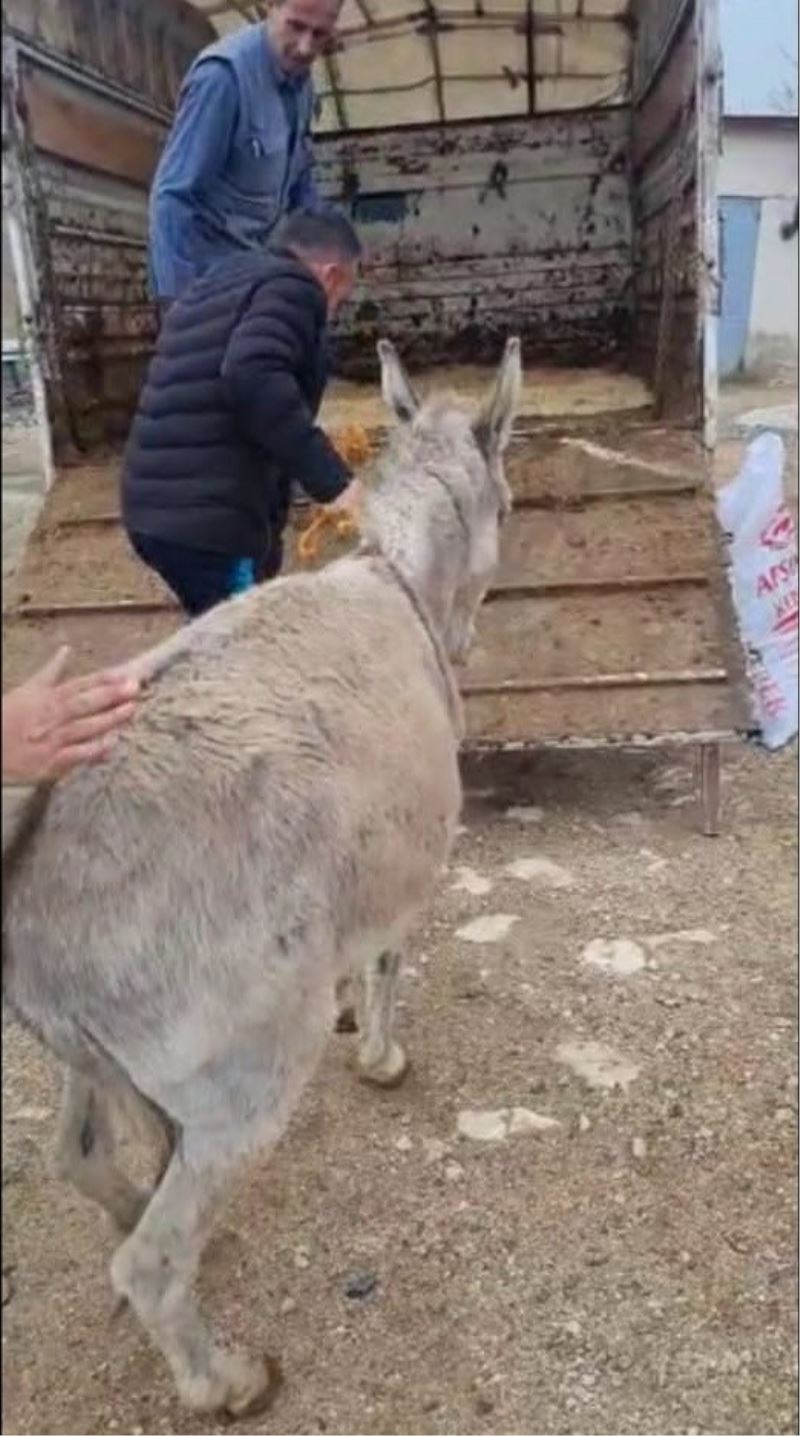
{"x": 759, "y": 43}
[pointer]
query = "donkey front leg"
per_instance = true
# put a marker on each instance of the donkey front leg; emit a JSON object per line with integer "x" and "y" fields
{"x": 460, "y": 634}
{"x": 380, "y": 1058}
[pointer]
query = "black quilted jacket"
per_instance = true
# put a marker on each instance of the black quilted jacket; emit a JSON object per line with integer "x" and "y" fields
{"x": 226, "y": 418}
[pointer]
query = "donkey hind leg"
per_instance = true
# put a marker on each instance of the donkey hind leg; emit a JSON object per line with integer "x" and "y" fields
{"x": 346, "y": 1019}
{"x": 154, "y": 1271}
{"x": 243, "y": 1105}
{"x": 85, "y": 1151}
{"x": 381, "y": 1059}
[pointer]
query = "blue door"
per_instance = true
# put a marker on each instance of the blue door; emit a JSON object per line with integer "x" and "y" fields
{"x": 738, "y": 237}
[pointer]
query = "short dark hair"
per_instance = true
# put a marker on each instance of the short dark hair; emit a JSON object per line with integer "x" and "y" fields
{"x": 322, "y": 236}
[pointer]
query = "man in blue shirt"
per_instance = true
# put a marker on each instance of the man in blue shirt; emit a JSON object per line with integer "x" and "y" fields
{"x": 238, "y": 156}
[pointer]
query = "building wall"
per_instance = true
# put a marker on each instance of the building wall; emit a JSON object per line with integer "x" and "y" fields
{"x": 759, "y": 160}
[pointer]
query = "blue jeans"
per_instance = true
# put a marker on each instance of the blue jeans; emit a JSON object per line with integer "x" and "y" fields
{"x": 198, "y": 578}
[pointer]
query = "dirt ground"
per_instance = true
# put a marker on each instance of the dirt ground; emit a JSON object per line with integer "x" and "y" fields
{"x": 631, "y": 1269}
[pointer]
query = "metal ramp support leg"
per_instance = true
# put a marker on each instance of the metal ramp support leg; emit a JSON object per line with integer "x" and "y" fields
{"x": 707, "y": 787}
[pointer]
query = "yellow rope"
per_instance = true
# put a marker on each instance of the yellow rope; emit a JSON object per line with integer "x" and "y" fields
{"x": 311, "y": 539}
{"x": 353, "y": 444}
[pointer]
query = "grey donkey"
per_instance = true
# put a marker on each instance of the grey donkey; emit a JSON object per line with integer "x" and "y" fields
{"x": 178, "y": 922}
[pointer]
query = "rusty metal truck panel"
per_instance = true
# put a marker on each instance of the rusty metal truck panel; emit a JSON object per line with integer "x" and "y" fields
{"x": 567, "y": 195}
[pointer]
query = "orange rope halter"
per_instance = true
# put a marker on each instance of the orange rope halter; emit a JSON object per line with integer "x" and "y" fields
{"x": 353, "y": 444}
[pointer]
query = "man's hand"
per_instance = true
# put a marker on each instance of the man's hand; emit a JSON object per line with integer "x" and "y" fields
{"x": 50, "y": 727}
{"x": 342, "y": 515}
{"x": 349, "y": 502}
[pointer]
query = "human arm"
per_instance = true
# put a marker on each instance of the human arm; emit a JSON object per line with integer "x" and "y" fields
{"x": 50, "y": 726}
{"x": 196, "y": 152}
{"x": 265, "y": 357}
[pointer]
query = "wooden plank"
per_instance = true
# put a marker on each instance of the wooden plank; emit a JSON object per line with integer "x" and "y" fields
{"x": 553, "y": 218}
{"x": 649, "y": 488}
{"x": 631, "y": 742}
{"x": 659, "y": 114}
{"x": 614, "y": 717}
{"x": 657, "y": 23}
{"x": 78, "y": 127}
{"x": 668, "y": 175}
{"x": 571, "y": 472}
{"x": 428, "y": 157}
{"x": 122, "y": 606}
{"x": 514, "y": 587}
{"x": 602, "y": 268}
{"x": 538, "y": 233}
{"x": 114, "y": 44}
{"x": 583, "y": 682}
{"x": 578, "y": 632}
{"x": 634, "y": 539}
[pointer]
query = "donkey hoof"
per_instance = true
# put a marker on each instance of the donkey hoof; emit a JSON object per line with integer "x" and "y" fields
{"x": 346, "y": 1021}
{"x": 389, "y": 1071}
{"x": 255, "y": 1397}
{"x": 237, "y": 1386}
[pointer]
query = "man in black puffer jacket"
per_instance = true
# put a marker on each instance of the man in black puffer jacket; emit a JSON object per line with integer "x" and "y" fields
{"x": 227, "y": 416}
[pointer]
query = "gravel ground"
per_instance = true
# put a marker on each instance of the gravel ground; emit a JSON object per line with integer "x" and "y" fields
{"x": 23, "y": 483}
{"x": 630, "y": 1269}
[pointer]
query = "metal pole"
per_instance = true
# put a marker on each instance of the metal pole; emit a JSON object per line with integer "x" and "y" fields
{"x": 15, "y": 218}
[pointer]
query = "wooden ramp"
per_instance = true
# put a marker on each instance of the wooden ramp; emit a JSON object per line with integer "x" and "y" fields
{"x": 609, "y": 621}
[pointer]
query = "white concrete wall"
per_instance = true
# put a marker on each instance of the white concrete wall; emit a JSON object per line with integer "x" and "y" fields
{"x": 759, "y": 160}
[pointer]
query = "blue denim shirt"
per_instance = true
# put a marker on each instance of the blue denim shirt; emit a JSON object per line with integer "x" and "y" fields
{"x": 237, "y": 158}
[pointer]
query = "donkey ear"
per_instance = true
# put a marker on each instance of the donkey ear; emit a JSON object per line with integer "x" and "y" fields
{"x": 492, "y": 427}
{"x": 397, "y": 392}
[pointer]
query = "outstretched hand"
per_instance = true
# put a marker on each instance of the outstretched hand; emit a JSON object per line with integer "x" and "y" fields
{"x": 50, "y": 726}
{"x": 342, "y": 516}
{"x": 349, "y": 502}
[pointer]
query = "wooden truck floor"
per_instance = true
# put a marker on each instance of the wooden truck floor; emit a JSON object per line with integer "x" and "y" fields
{"x": 609, "y": 620}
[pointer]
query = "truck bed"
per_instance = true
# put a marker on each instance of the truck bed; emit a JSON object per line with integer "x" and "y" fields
{"x": 608, "y": 621}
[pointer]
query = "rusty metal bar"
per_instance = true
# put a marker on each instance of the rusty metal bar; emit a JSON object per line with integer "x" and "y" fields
{"x": 88, "y": 521}
{"x": 631, "y": 742}
{"x": 336, "y": 90}
{"x": 537, "y": 588}
{"x": 688, "y": 488}
{"x": 707, "y": 780}
{"x": 526, "y": 504}
{"x": 250, "y": 13}
{"x": 433, "y": 38}
{"x": 80, "y": 610}
{"x": 498, "y": 593}
{"x": 563, "y": 589}
{"x": 633, "y": 583}
{"x": 20, "y": 228}
{"x": 531, "y": 59}
{"x": 596, "y": 681}
{"x": 473, "y": 79}
{"x": 369, "y": 18}
{"x": 463, "y": 20}
{"x": 97, "y": 236}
